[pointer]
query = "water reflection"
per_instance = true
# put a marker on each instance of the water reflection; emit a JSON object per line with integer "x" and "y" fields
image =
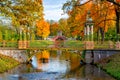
{"x": 44, "y": 62}
{"x": 87, "y": 72}
{"x": 40, "y": 58}
{"x": 56, "y": 65}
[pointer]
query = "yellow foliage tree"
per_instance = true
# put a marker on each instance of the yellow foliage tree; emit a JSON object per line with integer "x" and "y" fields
{"x": 43, "y": 28}
{"x": 54, "y": 28}
{"x": 102, "y": 13}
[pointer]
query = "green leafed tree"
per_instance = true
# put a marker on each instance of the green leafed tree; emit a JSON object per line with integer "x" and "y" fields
{"x": 22, "y": 12}
{"x": 63, "y": 26}
{"x": 1, "y": 36}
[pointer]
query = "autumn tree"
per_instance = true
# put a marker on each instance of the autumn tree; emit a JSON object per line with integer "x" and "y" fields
{"x": 102, "y": 13}
{"x": 43, "y": 28}
{"x": 54, "y": 28}
{"x": 77, "y": 17}
{"x": 104, "y": 17}
{"x": 22, "y": 12}
{"x": 62, "y": 26}
{"x": 116, "y": 4}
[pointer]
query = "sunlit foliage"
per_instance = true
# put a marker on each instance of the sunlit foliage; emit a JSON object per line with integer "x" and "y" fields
{"x": 53, "y": 28}
{"x": 22, "y": 12}
{"x": 43, "y": 28}
{"x": 102, "y": 13}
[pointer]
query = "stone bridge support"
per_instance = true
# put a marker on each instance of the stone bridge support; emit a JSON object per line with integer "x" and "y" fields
{"x": 93, "y": 56}
{"x": 19, "y": 55}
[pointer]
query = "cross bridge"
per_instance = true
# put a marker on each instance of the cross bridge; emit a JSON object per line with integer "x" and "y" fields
{"x": 74, "y": 45}
{"x": 10, "y": 49}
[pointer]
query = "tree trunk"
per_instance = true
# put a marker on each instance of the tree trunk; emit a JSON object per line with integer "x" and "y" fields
{"x": 117, "y": 10}
{"x": 118, "y": 20}
{"x": 98, "y": 35}
{"x": 102, "y": 34}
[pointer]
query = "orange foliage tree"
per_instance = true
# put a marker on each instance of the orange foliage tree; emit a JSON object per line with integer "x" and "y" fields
{"x": 43, "y": 28}
{"x": 63, "y": 26}
{"x": 53, "y": 28}
{"x": 103, "y": 14}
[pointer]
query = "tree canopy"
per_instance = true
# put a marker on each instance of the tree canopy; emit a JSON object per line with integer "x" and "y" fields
{"x": 22, "y": 12}
{"x": 43, "y": 28}
{"x": 103, "y": 12}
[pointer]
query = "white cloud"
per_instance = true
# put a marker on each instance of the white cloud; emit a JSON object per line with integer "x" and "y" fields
{"x": 53, "y": 10}
{"x": 50, "y": 7}
{"x": 54, "y": 15}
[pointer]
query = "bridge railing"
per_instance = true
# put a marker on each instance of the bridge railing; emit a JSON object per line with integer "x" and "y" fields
{"x": 73, "y": 44}
{"x": 104, "y": 45}
{"x": 12, "y": 44}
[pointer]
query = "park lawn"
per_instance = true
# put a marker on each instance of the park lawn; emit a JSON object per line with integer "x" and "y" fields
{"x": 40, "y": 43}
{"x": 7, "y": 63}
{"x": 74, "y": 44}
{"x": 111, "y": 65}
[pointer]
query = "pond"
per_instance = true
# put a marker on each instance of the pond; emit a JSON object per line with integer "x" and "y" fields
{"x": 56, "y": 65}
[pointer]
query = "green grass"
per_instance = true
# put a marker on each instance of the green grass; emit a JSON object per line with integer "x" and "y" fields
{"x": 74, "y": 44}
{"x": 11, "y": 44}
{"x": 7, "y": 63}
{"x": 8, "y": 44}
{"x": 111, "y": 65}
{"x": 40, "y": 43}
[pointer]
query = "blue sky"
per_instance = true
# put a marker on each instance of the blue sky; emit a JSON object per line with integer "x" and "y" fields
{"x": 52, "y": 9}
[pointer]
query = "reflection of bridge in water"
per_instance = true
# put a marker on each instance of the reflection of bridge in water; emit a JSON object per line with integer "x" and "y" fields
{"x": 88, "y": 56}
{"x": 59, "y": 64}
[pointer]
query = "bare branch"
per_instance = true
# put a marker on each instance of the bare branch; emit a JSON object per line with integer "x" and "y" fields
{"x": 104, "y": 21}
{"x": 84, "y": 3}
{"x": 112, "y": 1}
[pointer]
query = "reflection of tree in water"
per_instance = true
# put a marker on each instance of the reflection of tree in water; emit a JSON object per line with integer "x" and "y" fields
{"x": 87, "y": 72}
{"x": 43, "y": 56}
{"x": 73, "y": 58}
{"x": 77, "y": 73}
{"x": 53, "y": 53}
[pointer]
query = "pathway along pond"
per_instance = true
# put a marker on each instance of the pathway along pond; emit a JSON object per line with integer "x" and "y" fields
{"x": 56, "y": 65}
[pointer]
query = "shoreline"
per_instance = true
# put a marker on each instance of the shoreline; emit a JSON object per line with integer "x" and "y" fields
{"x": 7, "y": 63}
{"x": 111, "y": 65}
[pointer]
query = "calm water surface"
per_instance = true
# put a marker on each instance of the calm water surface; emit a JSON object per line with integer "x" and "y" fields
{"x": 55, "y": 65}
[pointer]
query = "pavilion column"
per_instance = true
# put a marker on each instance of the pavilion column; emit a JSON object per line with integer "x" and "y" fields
{"x": 88, "y": 32}
{"x": 85, "y": 32}
{"x": 89, "y": 44}
{"x": 20, "y": 34}
{"x": 20, "y": 42}
{"x": 92, "y": 32}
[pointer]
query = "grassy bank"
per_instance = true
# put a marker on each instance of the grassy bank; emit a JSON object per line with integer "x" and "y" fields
{"x": 40, "y": 43}
{"x": 7, "y": 63}
{"x": 73, "y": 43}
{"x": 111, "y": 65}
